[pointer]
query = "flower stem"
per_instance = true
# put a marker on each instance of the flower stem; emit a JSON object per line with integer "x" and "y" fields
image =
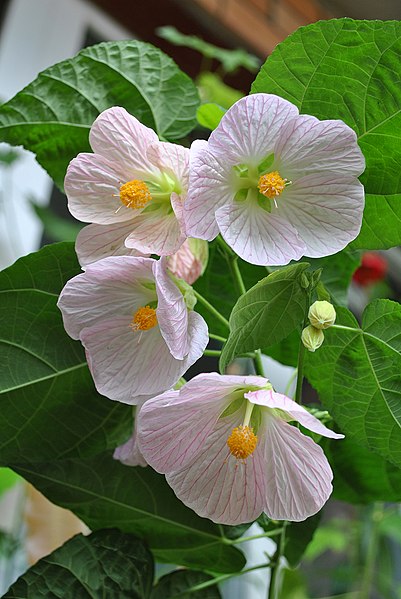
{"x": 264, "y": 535}
{"x": 212, "y": 352}
{"x": 222, "y": 578}
{"x": 217, "y": 337}
{"x": 232, "y": 260}
{"x": 275, "y": 567}
{"x": 257, "y": 361}
{"x": 369, "y": 569}
{"x": 212, "y": 309}
{"x": 300, "y": 373}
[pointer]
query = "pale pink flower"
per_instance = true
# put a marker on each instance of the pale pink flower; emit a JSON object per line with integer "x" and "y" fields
{"x": 190, "y": 261}
{"x": 277, "y": 185}
{"x": 131, "y": 187}
{"x": 227, "y": 450}
{"x": 140, "y": 337}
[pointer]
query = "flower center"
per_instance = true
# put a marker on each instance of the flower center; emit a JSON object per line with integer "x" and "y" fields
{"x": 271, "y": 184}
{"x": 242, "y": 442}
{"x": 144, "y": 319}
{"x": 135, "y": 194}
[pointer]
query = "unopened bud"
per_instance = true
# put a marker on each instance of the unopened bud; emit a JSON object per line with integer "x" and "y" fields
{"x": 190, "y": 261}
{"x": 322, "y": 315}
{"x": 312, "y": 338}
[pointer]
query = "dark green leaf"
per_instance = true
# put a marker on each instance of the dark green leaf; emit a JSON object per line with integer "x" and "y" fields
{"x": 103, "y": 492}
{"x": 209, "y": 115}
{"x": 346, "y": 69}
{"x": 267, "y": 313}
{"x": 52, "y": 115}
{"x": 357, "y": 373}
{"x": 50, "y": 408}
{"x": 298, "y": 535}
{"x": 182, "y": 584}
{"x": 108, "y": 563}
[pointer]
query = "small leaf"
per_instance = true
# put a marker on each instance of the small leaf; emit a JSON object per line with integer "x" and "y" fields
{"x": 267, "y": 313}
{"x": 107, "y": 563}
{"x": 209, "y": 115}
{"x": 182, "y": 584}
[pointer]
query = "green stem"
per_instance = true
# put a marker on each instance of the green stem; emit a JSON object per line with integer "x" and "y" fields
{"x": 217, "y": 337}
{"x": 257, "y": 361}
{"x": 290, "y": 381}
{"x": 369, "y": 569}
{"x": 212, "y": 352}
{"x": 300, "y": 373}
{"x": 212, "y": 309}
{"x": 222, "y": 578}
{"x": 275, "y": 567}
{"x": 264, "y": 535}
{"x": 232, "y": 260}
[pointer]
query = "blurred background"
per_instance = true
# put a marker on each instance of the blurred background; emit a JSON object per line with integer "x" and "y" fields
{"x": 221, "y": 44}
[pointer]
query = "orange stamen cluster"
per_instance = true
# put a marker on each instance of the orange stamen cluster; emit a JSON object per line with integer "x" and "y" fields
{"x": 135, "y": 194}
{"x": 271, "y": 184}
{"x": 144, "y": 319}
{"x": 242, "y": 442}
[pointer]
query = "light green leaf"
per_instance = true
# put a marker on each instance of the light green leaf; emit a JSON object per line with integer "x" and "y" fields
{"x": 267, "y": 313}
{"x": 103, "y": 492}
{"x": 357, "y": 373}
{"x": 53, "y": 114}
{"x": 183, "y": 584}
{"x": 346, "y": 69}
{"x": 8, "y": 478}
{"x": 107, "y": 563}
{"x": 49, "y": 405}
{"x": 209, "y": 115}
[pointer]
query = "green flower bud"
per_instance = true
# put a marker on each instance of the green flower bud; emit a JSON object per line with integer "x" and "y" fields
{"x": 312, "y": 338}
{"x": 322, "y": 315}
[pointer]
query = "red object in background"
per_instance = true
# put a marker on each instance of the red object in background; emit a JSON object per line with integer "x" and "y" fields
{"x": 373, "y": 269}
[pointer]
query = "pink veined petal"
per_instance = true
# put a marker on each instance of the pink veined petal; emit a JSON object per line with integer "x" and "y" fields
{"x": 326, "y": 210}
{"x": 172, "y": 159}
{"x": 95, "y": 242}
{"x": 307, "y": 145}
{"x": 297, "y": 474}
{"x": 92, "y": 185}
{"x": 257, "y": 236}
{"x": 121, "y": 138}
{"x": 156, "y": 232}
{"x": 212, "y": 386}
{"x": 109, "y": 287}
{"x": 215, "y": 485}
{"x": 271, "y": 399}
{"x": 209, "y": 189}
{"x": 172, "y": 312}
{"x": 129, "y": 453}
{"x": 184, "y": 265}
{"x": 248, "y": 131}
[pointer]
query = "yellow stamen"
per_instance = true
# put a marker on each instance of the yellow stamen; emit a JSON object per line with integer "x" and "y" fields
{"x": 135, "y": 194}
{"x": 271, "y": 184}
{"x": 242, "y": 442}
{"x": 144, "y": 319}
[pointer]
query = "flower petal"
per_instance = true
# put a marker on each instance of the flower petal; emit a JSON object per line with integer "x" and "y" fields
{"x": 248, "y": 131}
{"x": 271, "y": 399}
{"x": 325, "y": 209}
{"x": 297, "y": 474}
{"x": 121, "y": 138}
{"x": 108, "y": 287}
{"x": 95, "y": 242}
{"x": 172, "y": 159}
{"x": 257, "y": 236}
{"x": 156, "y": 232}
{"x": 129, "y": 453}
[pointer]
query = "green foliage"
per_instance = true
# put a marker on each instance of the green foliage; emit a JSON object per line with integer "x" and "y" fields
{"x": 182, "y": 584}
{"x": 213, "y": 89}
{"x": 50, "y": 407}
{"x": 268, "y": 312}
{"x": 53, "y": 114}
{"x": 103, "y": 492}
{"x": 346, "y": 69}
{"x": 56, "y": 227}
{"x": 209, "y": 115}
{"x": 108, "y": 563}
{"x": 357, "y": 374}
{"x": 8, "y": 478}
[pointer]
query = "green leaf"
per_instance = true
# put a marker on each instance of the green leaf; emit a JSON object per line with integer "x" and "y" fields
{"x": 298, "y": 535}
{"x": 53, "y": 114}
{"x": 103, "y": 492}
{"x": 50, "y": 408}
{"x": 209, "y": 115}
{"x": 8, "y": 478}
{"x": 344, "y": 69}
{"x": 267, "y": 313}
{"x": 107, "y": 563}
{"x": 213, "y": 89}
{"x": 357, "y": 374}
{"x": 182, "y": 584}
{"x": 56, "y": 227}
{"x": 337, "y": 273}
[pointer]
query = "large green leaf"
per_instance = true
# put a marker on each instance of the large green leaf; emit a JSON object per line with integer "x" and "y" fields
{"x": 107, "y": 563}
{"x": 102, "y": 492}
{"x": 268, "y": 312}
{"x": 183, "y": 584}
{"x": 357, "y": 373}
{"x": 52, "y": 115}
{"x": 49, "y": 406}
{"x": 346, "y": 69}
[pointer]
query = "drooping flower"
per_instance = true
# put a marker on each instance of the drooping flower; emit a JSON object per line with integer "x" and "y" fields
{"x": 131, "y": 187}
{"x": 134, "y": 322}
{"x": 190, "y": 261}
{"x": 277, "y": 185}
{"x": 228, "y": 451}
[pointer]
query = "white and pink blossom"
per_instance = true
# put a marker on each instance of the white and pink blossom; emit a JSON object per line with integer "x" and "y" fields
{"x": 228, "y": 451}
{"x": 131, "y": 188}
{"x": 139, "y": 334}
{"x": 277, "y": 185}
